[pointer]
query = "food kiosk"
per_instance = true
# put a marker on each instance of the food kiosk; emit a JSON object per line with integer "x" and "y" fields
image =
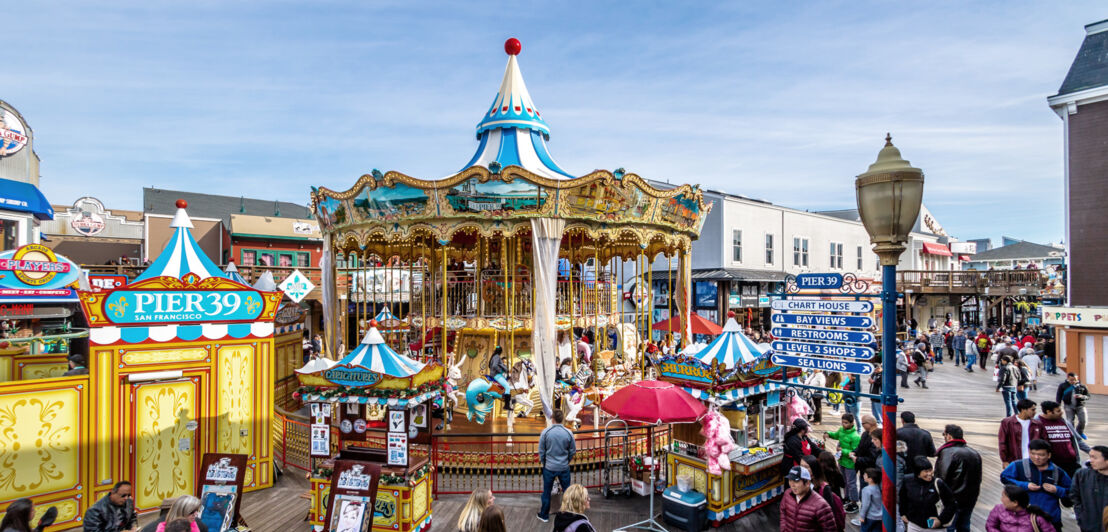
{"x": 733, "y": 375}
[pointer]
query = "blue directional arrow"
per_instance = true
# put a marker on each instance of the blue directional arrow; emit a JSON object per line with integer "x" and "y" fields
{"x": 823, "y": 320}
{"x": 828, "y": 350}
{"x": 825, "y": 364}
{"x": 824, "y": 335}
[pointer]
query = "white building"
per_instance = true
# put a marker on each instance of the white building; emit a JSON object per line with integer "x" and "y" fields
{"x": 22, "y": 206}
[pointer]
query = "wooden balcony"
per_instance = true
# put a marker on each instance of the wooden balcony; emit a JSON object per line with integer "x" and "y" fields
{"x": 992, "y": 283}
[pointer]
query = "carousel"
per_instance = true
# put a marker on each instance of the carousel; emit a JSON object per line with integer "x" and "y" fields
{"x": 509, "y": 272}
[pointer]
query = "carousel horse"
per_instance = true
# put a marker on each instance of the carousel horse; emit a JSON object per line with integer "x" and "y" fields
{"x": 522, "y": 380}
{"x": 450, "y": 398}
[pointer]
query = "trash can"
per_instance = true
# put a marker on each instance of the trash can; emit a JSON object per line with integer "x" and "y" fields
{"x": 687, "y": 510}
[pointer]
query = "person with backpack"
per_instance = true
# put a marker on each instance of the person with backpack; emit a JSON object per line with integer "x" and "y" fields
{"x": 1072, "y": 395}
{"x": 1047, "y": 484}
{"x": 802, "y": 508}
{"x": 826, "y": 491}
{"x": 1024, "y": 382}
{"x": 984, "y": 347}
{"x": 1015, "y": 513}
{"x": 572, "y": 518}
{"x": 919, "y": 498}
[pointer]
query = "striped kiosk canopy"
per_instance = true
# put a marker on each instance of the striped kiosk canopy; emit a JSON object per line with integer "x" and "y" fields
{"x": 232, "y": 273}
{"x": 376, "y": 356}
{"x": 389, "y": 322}
{"x": 731, "y": 348}
{"x": 182, "y": 255}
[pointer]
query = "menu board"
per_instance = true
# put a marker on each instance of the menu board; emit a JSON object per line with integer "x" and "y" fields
{"x": 353, "y": 494}
{"x": 220, "y": 489}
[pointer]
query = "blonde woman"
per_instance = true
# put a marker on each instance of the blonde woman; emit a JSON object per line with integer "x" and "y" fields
{"x": 185, "y": 507}
{"x": 575, "y": 501}
{"x": 475, "y": 506}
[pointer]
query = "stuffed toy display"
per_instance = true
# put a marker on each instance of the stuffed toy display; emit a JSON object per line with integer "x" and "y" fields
{"x": 798, "y": 408}
{"x": 717, "y": 442}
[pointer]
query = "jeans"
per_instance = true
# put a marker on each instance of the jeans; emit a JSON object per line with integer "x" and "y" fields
{"x": 971, "y": 359}
{"x": 921, "y": 376}
{"x": 875, "y": 409}
{"x": 938, "y": 353}
{"x": 548, "y": 477}
{"x": 961, "y": 522}
{"x": 851, "y": 479}
{"x": 1009, "y": 394}
{"x": 959, "y": 356}
{"x": 854, "y": 408}
{"x": 1080, "y": 413}
{"x": 903, "y": 378}
{"x": 1050, "y": 367}
{"x": 871, "y": 525}
{"x": 1021, "y": 394}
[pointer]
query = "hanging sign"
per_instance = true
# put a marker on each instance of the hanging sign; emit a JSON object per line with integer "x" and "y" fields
{"x": 823, "y": 320}
{"x": 822, "y": 305}
{"x": 825, "y": 364}
{"x": 321, "y": 440}
{"x": 819, "y": 281}
{"x": 831, "y": 350}
{"x": 823, "y": 335}
{"x": 36, "y": 267}
{"x": 296, "y": 286}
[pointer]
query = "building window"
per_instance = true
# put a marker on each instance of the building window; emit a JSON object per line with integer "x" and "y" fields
{"x": 736, "y": 245}
{"x": 800, "y": 252}
{"x": 248, "y": 257}
{"x": 303, "y": 260}
{"x": 284, "y": 260}
{"x": 859, "y": 258}
{"x": 769, "y": 249}
{"x": 836, "y": 256}
{"x": 9, "y": 234}
{"x": 266, "y": 259}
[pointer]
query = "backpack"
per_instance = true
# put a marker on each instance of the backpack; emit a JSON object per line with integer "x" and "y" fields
{"x": 982, "y": 343}
{"x": 1026, "y": 463}
{"x": 577, "y": 524}
{"x": 836, "y": 503}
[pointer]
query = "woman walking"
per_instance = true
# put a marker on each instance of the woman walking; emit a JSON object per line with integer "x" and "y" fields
{"x": 1016, "y": 514}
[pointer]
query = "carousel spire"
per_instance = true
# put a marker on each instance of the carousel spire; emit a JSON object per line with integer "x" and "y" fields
{"x": 513, "y": 132}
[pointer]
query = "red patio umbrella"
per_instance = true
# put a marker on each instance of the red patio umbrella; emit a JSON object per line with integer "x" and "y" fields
{"x": 698, "y": 323}
{"x": 653, "y": 402}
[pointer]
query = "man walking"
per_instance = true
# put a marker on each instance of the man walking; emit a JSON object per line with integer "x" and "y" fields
{"x": 1049, "y": 356}
{"x": 1090, "y": 490}
{"x": 1031, "y": 359}
{"x": 1007, "y": 379}
{"x": 958, "y": 344}
{"x": 936, "y": 341}
{"x": 920, "y": 442}
{"x": 556, "y": 449}
{"x": 802, "y": 509}
{"x": 1073, "y": 395}
{"x": 1017, "y": 432}
{"x": 1063, "y": 438}
{"x": 1045, "y": 482}
{"x": 959, "y": 466}
{"x": 114, "y": 512}
{"x": 971, "y": 354}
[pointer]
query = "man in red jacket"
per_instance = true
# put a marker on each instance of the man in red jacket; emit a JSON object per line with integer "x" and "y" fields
{"x": 1017, "y": 431}
{"x": 1063, "y": 438}
{"x": 803, "y": 510}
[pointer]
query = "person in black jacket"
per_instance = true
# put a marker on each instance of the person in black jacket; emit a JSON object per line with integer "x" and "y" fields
{"x": 959, "y": 466}
{"x": 115, "y": 512}
{"x": 920, "y": 442}
{"x": 868, "y": 452}
{"x": 920, "y": 496}
{"x": 798, "y": 444}
{"x": 1072, "y": 395}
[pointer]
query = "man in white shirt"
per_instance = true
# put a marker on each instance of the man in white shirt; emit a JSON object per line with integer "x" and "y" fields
{"x": 1031, "y": 358}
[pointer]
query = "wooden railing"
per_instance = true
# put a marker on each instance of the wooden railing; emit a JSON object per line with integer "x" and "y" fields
{"x": 999, "y": 282}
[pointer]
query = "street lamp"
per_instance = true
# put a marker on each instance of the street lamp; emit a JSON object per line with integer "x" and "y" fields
{"x": 890, "y": 193}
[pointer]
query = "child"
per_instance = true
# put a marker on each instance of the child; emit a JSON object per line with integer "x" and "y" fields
{"x": 848, "y": 439}
{"x": 870, "y": 512}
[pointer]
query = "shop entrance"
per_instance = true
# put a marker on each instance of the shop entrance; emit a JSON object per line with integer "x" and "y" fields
{"x": 164, "y": 436}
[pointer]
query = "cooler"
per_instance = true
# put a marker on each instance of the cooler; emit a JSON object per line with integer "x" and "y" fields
{"x": 687, "y": 510}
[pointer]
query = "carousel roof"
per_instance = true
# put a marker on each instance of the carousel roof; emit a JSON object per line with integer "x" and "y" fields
{"x": 182, "y": 255}
{"x": 513, "y": 132}
{"x": 731, "y": 348}
{"x": 385, "y": 314}
{"x": 376, "y": 356}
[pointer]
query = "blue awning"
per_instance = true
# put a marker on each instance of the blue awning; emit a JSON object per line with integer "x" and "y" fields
{"x": 25, "y": 197}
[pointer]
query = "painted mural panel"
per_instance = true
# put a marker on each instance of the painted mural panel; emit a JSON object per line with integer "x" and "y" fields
{"x": 682, "y": 210}
{"x": 39, "y": 441}
{"x": 236, "y": 399}
{"x": 473, "y": 196}
{"x": 390, "y": 203}
{"x": 164, "y": 446}
{"x": 160, "y": 356}
{"x": 606, "y": 203}
{"x": 332, "y": 212}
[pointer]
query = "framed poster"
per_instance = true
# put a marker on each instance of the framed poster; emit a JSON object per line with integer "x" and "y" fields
{"x": 398, "y": 449}
{"x": 420, "y": 415}
{"x": 220, "y": 489}
{"x": 321, "y": 440}
{"x": 398, "y": 421}
{"x": 353, "y": 493}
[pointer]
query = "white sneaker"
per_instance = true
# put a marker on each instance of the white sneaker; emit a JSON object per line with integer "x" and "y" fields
{"x": 856, "y": 522}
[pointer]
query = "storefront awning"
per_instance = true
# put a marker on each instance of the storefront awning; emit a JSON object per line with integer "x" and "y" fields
{"x": 736, "y": 274}
{"x": 24, "y": 197}
{"x": 936, "y": 249}
{"x": 964, "y": 258}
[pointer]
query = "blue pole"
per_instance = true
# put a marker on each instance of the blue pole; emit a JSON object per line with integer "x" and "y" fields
{"x": 888, "y": 390}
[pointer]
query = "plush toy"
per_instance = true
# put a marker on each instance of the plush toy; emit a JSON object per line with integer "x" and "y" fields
{"x": 798, "y": 408}
{"x": 717, "y": 442}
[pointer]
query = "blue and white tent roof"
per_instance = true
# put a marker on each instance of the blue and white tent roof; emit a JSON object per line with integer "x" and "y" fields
{"x": 374, "y": 355}
{"x": 385, "y": 314}
{"x": 513, "y": 132}
{"x": 232, "y": 273}
{"x": 731, "y": 348}
{"x": 182, "y": 255}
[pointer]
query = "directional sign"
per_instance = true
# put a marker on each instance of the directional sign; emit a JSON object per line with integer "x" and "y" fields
{"x": 819, "y": 281}
{"x": 825, "y": 364}
{"x": 830, "y": 350}
{"x": 823, "y": 305}
{"x": 823, "y": 320}
{"x": 824, "y": 335}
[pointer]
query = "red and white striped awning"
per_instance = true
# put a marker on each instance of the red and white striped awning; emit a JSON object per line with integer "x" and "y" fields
{"x": 936, "y": 249}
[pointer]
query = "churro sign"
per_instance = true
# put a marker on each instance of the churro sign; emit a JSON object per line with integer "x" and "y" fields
{"x": 1076, "y": 316}
{"x": 13, "y": 134}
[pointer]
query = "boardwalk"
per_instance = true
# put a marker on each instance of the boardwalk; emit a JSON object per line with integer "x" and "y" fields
{"x": 966, "y": 399}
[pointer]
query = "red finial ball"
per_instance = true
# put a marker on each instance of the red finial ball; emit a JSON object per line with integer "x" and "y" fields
{"x": 372, "y": 323}
{"x": 730, "y": 314}
{"x": 512, "y": 46}
{"x": 181, "y": 204}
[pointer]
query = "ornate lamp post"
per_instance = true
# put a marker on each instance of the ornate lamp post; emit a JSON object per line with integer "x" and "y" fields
{"x": 889, "y": 196}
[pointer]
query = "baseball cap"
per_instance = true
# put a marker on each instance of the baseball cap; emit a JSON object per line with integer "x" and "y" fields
{"x": 799, "y": 473}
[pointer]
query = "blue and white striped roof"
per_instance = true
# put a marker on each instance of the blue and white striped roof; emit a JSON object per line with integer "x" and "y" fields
{"x": 182, "y": 255}
{"x": 374, "y": 355}
{"x": 731, "y": 348}
{"x": 385, "y": 314}
{"x": 232, "y": 273}
{"x": 513, "y": 132}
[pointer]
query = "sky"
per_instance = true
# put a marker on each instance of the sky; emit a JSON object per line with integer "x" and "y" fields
{"x": 781, "y": 101}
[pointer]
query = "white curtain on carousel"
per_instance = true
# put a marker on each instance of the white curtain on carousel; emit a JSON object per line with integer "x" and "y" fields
{"x": 546, "y": 238}
{"x": 330, "y": 305}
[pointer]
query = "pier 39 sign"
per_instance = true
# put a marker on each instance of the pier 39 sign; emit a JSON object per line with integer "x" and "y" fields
{"x": 189, "y": 300}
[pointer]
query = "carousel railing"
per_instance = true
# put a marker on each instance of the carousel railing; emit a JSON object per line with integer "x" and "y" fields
{"x": 509, "y": 463}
